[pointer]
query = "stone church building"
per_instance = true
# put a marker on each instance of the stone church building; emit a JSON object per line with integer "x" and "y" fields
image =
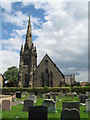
{"x": 31, "y": 75}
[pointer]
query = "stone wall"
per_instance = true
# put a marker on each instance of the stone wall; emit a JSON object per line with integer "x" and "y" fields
{"x": 57, "y": 75}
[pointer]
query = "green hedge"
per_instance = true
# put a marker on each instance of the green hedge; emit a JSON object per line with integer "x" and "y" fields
{"x": 36, "y": 90}
{"x": 81, "y": 89}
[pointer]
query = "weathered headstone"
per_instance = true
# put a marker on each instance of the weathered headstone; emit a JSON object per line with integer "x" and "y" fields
{"x": 47, "y": 95}
{"x": 70, "y": 114}
{"x": 54, "y": 97}
{"x": 6, "y": 105}
{"x": 69, "y": 95}
{"x": 33, "y": 97}
{"x": 51, "y": 104}
{"x": 18, "y": 94}
{"x": 24, "y": 93}
{"x": 88, "y": 93}
{"x": 0, "y": 105}
{"x": 74, "y": 94}
{"x": 82, "y": 98}
{"x": 31, "y": 93}
{"x": 27, "y": 104}
{"x": 88, "y": 105}
{"x": 37, "y": 113}
{"x": 71, "y": 104}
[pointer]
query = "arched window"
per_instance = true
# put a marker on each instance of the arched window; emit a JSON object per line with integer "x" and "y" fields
{"x": 43, "y": 80}
{"x": 47, "y": 77}
{"x": 26, "y": 80}
{"x": 51, "y": 79}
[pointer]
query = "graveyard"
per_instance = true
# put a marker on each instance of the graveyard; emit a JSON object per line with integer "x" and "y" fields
{"x": 19, "y": 107}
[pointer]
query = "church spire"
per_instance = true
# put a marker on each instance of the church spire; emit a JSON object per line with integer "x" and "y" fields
{"x": 29, "y": 27}
{"x": 28, "y": 42}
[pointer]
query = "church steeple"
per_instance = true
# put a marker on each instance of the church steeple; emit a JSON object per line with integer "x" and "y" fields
{"x": 28, "y": 42}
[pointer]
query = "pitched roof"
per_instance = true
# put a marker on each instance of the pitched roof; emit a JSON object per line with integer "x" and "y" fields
{"x": 52, "y": 62}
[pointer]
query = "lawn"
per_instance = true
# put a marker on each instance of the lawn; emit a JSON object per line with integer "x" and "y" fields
{"x": 17, "y": 110}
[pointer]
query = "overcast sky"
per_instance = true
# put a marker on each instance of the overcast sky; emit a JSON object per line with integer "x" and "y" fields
{"x": 59, "y": 29}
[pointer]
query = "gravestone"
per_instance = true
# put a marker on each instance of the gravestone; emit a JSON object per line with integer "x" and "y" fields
{"x": 69, "y": 95}
{"x": 6, "y": 105}
{"x": 74, "y": 94}
{"x": 88, "y": 105}
{"x": 0, "y": 105}
{"x": 39, "y": 94}
{"x": 37, "y": 113}
{"x": 82, "y": 98}
{"x": 33, "y": 97}
{"x": 27, "y": 104}
{"x": 51, "y": 104}
{"x": 61, "y": 95}
{"x": 88, "y": 93}
{"x": 70, "y": 114}
{"x": 24, "y": 93}
{"x": 54, "y": 97}
{"x": 18, "y": 94}
{"x": 31, "y": 93}
{"x": 71, "y": 104}
{"x": 47, "y": 95}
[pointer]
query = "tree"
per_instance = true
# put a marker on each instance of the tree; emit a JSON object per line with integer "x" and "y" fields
{"x": 11, "y": 75}
{"x": 77, "y": 83}
{"x": 88, "y": 84}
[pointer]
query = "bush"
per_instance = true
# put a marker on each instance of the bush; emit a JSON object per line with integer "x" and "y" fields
{"x": 81, "y": 89}
{"x": 36, "y": 90}
{"x": 8, "y": 90}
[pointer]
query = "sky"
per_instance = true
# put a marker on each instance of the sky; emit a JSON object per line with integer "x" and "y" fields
{"x": 59, "y": 28}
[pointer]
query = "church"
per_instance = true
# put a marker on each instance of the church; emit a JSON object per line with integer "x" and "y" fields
{"x": 33, "y": 75}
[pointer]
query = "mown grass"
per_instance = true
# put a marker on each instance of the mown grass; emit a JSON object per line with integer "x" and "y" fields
{"x": 17, "y": 110}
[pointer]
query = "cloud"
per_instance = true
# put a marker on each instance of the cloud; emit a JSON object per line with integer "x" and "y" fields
{"x": 12, "y": 43}
{"x": 7, "y": 59}
{"x": 64, "y": 36}
{"x": 16, "y": 18}
{"x": 7, "y": 6}
{"x": 83, "y": 76}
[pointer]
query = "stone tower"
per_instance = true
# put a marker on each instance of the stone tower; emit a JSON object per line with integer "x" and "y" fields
{"x": 28, "y": 61}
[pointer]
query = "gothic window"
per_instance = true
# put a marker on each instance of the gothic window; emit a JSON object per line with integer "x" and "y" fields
{"x": 51, "y": 79}
{"x": 26, "y": 80}
{"x": 47, "y": 77}
{"x": 43, "y": 80}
